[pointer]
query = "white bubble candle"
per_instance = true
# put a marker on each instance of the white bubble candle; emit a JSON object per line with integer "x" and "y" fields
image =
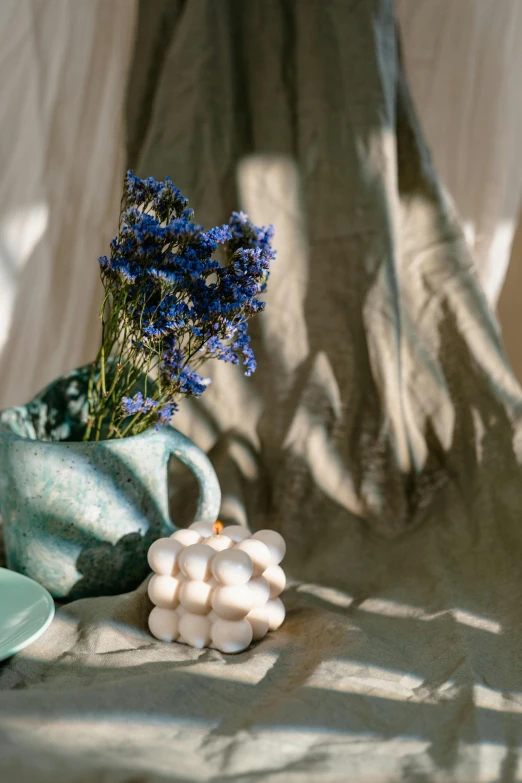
{"x": 216, "y": 587}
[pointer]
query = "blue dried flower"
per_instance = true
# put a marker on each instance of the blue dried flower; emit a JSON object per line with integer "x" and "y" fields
{"x": 137, "y": 404}
{"x": 175, "y": 304}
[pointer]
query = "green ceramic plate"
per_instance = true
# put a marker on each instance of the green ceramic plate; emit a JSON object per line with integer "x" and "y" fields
{"x": 26, "y": 610}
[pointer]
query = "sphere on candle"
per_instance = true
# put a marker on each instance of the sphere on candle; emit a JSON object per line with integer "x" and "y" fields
{"x": 204, "y": 529}
{"x": 232, "y": 602}
{"x": 186, "y": 536}
{"x": 164, "y": 624}
{"x": 180, "y": 612}
{"x": 275, "y": 610}
{"x": 236, "y": 532}
{"x": 260, "y": 590}
{"x": 164, "y": 591}
{"x": 258, "y": 553}
{"x": 196, "y": 597}
{"x": 275, "y": 576}
{"x": 212, "y": 616}
{"x": 218, "y": 543}
{"x": 275, "y": 543}
{"x": 163, "y": 556}
{"x": 258, "y": 619}
{"x": 195, "y": 560}
{"x": 195, "y": 630}
{"x": 232, "y": 567}
{"x": 231, "y": 637}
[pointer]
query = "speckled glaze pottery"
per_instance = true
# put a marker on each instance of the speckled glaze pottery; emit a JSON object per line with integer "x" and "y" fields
{"x": 79, "y": 517}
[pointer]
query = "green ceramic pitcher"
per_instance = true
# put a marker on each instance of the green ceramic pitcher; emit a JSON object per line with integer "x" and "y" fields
{"x": 79, "y": 517}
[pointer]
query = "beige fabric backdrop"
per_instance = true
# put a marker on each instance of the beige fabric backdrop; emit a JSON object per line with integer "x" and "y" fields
{"x": 464, "y": 62}
{"x": 62, "y": 156}
{"x": 64, "y": 67}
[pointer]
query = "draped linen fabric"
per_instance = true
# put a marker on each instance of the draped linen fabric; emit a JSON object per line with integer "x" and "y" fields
{"x": 463, "y": 61}
{"x": 62, "y": 155}
{"x": 380, "y": 436}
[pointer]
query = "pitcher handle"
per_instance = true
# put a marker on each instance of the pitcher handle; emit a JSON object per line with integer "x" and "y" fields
{"x": 197, "y": 461}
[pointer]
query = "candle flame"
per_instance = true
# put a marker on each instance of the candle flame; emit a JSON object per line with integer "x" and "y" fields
{"x": 218, "y": 527}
